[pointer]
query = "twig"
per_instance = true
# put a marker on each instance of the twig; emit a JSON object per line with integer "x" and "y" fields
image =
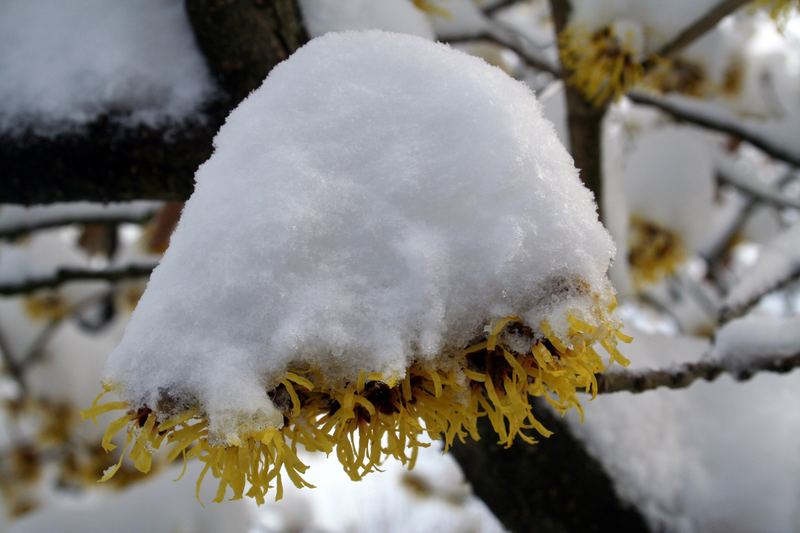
{"x": 717, "y": 124}
{"x": 36, "y": 350}
{"x": 499, "y": 6}
{"x": 728, "y": 313}
{"x": 11, "y": 366}
{"x": 759, "y": 194}
{"x": 508, "y": 41}
{"x": 700, "y": 26}
{"x": 12, "y": 232}
{"x": 684, "y": 375}
{"x": 64, "y": 275}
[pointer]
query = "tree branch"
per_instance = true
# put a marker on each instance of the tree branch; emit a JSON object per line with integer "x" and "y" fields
{"x": 728, "y": 313}
{"x": 700, "y": 27}
{"x": 682, "y": 376}
{"x": 718, "y": 124}
{"x": 759, "y": 194}
{"x": 17, "y": 229}
{"x": 508, "y": 41}
{"x": 65, "y": 275}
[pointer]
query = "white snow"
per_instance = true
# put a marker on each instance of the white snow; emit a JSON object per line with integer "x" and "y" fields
{"x": 323, "y": 16}
{"x": 741, "y": 340}
{"x": 658, "y": 21}
{"x": 668, "y": 180}
{"x": 379, "y": 198}
{"x": 63, "y": 64}
{"x": 717, "y": 456}
{"x": 778, "y": 260}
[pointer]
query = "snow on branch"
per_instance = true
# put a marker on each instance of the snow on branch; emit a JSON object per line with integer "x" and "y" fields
{"x": 700, "y": 26}
{"x": 762, "y": 137}
{"x": 758, "y": 192}
{"x": 681, "y": 376}
{"x": 65, "y": 275}
{"x": 17, "y": 220}
{"x": 512, "y": 41}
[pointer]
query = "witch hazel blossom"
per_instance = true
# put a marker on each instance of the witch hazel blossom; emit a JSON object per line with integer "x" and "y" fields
{"x": 388, "y": 243}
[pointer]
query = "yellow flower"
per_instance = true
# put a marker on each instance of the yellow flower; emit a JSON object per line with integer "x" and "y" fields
{"x": 371, "y": 417}
{"x": 654, "y": 252}
{"x": 602, "y": 64}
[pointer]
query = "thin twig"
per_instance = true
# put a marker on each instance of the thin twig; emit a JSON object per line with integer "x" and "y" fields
{"x": 717, "y": 124}
{"x": 10, "y": 364}
{"x": 682, "y": 376}
{"x": 12, "y": 232}
{"x": 700, "y": 27}
{"x": 728, "y": 313}
{"x": 64, "y": 275}
{"x": 499, "y": 6}
{"x": 511, "y": 42}
{"x": 759, "y": 194}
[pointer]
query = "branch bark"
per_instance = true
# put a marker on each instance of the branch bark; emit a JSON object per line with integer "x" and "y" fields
{"x": 241, "y": 39}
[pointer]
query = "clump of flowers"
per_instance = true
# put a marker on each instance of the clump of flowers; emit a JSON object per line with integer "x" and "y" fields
{"x": 605, "y": 63}
{"x": 654, "y": 251}
{"x": 372, "y": 417}
{"x": 355, "y": 274}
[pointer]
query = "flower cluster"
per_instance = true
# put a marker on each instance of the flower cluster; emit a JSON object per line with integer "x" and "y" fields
{"x": 374, "y": 417}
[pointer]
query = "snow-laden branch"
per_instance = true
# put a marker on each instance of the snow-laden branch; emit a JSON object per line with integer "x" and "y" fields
{"x": 18, "y": 220}
{"x": 708, "y": 118}
{"x": 700, "y": 27}
{"x": 760, "y": 193}
{"x": 65, "y": 275}
{"x": 513, "y": 41}
{"x": 681, "y": 376}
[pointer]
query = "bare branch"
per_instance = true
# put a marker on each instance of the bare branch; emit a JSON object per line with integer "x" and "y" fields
{"x": 511, "y": 41}
{"x": 12, "y": 231}
{"x": 700, "y": 27}
{"x": 499, "y": 6}
{"x": 682, "y": 376}
{"x": 759, "y": 194}
{"x": 719, "y": 124}
{"x": 64, "y": 275}
{"x": 728, "y": 313}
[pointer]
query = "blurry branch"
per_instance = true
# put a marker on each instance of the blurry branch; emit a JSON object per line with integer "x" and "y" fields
{"x": 514, "y": 42}
{"x": 728, "y": 313}
{"x": 700, "y": 27}
{"x": 499, "y": 6}
{"x": 758, "y": 193}
{"x": 36, "y": 350}
{"x": 719, "y": 124}
{"x": 716, "y": 250}
{"x": 65, "y": 275}
{"x": 10, "y": 365}
{"x": 681, "y": 376}
{"x": 12, "y": 232}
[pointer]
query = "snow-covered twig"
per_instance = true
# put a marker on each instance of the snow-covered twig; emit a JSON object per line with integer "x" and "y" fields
{"x": 64, "y": 275}
{"x": 510, "y": 40}
{"x": 18, "y": 220}
{"x": 499, "y": 6}
{"x": 717, "y": 123}
{"x": 681, "y": 376}
{"x": 760, "y": 194}
{"x": 700, "y": 27}
{"x": 729, "y": 311}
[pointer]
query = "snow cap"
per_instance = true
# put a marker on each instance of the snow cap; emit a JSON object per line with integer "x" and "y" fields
{"x": 378, "y": 200}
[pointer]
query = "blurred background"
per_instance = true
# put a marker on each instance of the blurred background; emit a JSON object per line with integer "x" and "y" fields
{"x": 684, "y": 118}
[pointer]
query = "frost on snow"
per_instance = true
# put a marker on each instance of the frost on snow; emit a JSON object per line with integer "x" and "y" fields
{"x": 135, "y": 60}
{"x": 377, "y": 221}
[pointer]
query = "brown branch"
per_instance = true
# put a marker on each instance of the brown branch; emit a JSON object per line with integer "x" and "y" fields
{"x": 682, "y": 376}
{"x": 728, "y": 313}
{"x": 66, "y": 275}
{"x": 536, "y": 63}
{"x": 700, "y": 27}
{"x": 499, "y": 6}
{"x": 721, "y": 125}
